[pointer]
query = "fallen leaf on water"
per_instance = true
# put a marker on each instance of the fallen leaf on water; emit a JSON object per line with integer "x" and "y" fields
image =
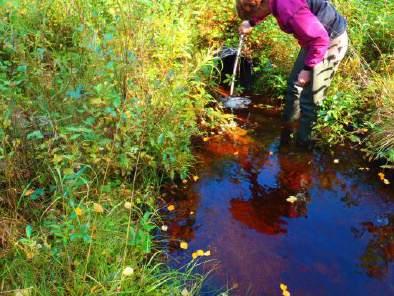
{"x": 184, "y": 245}
{"x": 164, "y": 227}
{"x": 98, "y": 208}
{"x": 283, "y": 287}
{"x": 78, "y": 212}
{"x": 171, "y": 208}
{"x": 127, "y": 205}
{"x": 195, "y": 178}
{"x": 128, "y": 271}
{"x": 200, "y": 253}
{"x": 291, "y": 199}
{"x": 381, "y": 176}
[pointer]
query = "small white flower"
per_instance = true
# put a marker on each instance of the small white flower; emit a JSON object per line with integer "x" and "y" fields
{"x": 128, "y": 271}
{"x": 128, "y": 205}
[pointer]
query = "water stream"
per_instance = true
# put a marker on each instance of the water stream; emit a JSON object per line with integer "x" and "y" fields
{"x": 337, "y": 238}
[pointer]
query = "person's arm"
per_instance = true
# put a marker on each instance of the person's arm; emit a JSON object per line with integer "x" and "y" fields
{"x": 311, "y": 35}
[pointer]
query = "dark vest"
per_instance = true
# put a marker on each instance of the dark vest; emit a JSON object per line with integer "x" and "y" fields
{"x": 326, "y": 13}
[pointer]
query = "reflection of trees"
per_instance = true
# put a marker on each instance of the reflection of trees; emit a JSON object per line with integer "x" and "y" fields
{"x": 380, "y": 249}
{"x": 265, "y": 211}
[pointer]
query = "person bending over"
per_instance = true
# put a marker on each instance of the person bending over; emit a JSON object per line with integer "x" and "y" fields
{"x": 321, "y": 32}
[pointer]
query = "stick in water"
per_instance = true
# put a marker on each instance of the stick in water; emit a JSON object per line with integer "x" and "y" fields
{"x": 241, "y": 39}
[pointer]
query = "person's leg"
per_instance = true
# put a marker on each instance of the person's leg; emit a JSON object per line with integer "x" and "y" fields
{"x": 291, "y": 110}
{"x": 313, "y": 95}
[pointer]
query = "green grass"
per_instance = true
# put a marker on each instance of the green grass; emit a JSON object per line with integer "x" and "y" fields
{"x": 99, "y": 102}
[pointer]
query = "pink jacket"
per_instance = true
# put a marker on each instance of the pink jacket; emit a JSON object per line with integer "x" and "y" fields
{"x": 295, "y": 17}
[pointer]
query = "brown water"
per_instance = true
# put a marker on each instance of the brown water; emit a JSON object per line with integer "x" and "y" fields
{"x": 336, "y": 239}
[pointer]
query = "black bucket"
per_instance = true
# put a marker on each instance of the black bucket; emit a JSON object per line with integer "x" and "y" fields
{"x": 244, "y": 75}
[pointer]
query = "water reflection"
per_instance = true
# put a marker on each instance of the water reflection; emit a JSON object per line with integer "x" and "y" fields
{"x": 379, "y": 252}
{"x": 267, "y": 207}
{"x": 328, "y": 242}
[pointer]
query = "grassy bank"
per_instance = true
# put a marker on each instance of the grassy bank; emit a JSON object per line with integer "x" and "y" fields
{"x": 99, "y": 100}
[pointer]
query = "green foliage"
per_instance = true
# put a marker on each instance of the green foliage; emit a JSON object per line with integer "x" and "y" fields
{"x": 99, "y": 102}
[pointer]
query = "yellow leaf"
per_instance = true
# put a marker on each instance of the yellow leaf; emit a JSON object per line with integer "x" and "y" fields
{"x": 200, "y": 253}
{"x": 286, "y": 293}
{"x": 195, "y": 178}
{"x": 194, "y": 255}
{"x": 237, "y": 131}
{"x": 78, "y": 211}
{"x": 23, "y": 292}
{"x": 291, "y": 199}
{"x": 170, "y": 208}
{"x": 236, "y": 153}
{"x": 96, "y": 101}
{"x": 206, "y": 139}
{"x": 386, "y": 181}
{"x": 98, "y": 208}
{"x": 68, "y": 171}
{"x": 283, "y": 287}
{"x": 184, "y": 245}
{"x": 207, "y": 253}
{"x": 29, "y": 192}
{"x": 381, "y": 176}
{"x": 57, "y": 158}
{"x": 185, "y": 292}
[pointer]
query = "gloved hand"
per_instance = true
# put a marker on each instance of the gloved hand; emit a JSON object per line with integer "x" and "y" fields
{"x": 245, "y": 28}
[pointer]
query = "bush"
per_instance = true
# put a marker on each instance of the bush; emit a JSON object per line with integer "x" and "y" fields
{"x": 99, "y": 102}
